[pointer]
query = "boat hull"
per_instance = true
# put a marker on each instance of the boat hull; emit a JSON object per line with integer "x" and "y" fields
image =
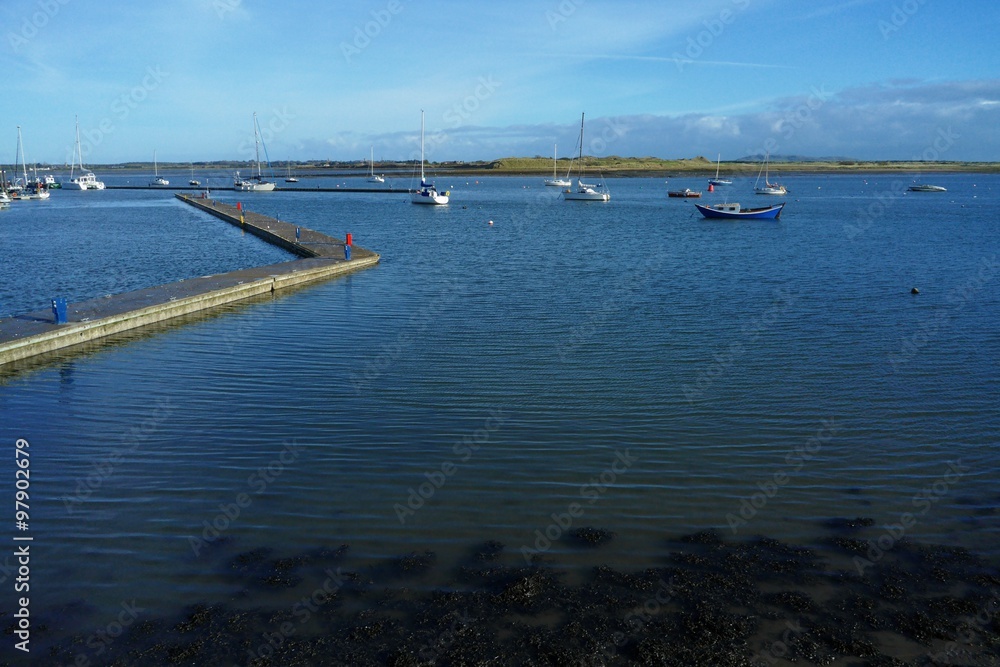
{"x": 557, "y": 183}
{"x": 764, "y": 213}
{"x": 927, "y": 188}
{"x": 428, "y": 198}
{"x": 590, "y": 195}
{"x": 255, "y": 187}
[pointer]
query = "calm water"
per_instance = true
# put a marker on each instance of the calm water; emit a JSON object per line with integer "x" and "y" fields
{"x": 648, "y": 371}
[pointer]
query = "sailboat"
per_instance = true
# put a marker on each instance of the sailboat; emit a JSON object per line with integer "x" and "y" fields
{"x": 717, "y": 180}
{"x": 4, "y": 197}
{"x": 768, "y": 188}
{"x": 157, "y": 179}
{"x": 372, "y": 178}
{"x": 194, "y": 181}
{"x": 288, "y": 173}
{"x": 427, "y": 194}
{"x": 86, "y": 180}
{"x": 256, "y": 182}
{"x": 585, "y": 192}
{"x": 27, "y": 189}
{"x": 555, "y": 180}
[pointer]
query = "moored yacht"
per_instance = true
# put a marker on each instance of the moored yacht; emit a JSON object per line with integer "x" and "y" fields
{"x": 585, "y": 191}
{"x": 427, "y": 194}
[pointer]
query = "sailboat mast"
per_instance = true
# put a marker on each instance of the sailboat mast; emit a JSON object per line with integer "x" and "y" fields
{"x": 20, "y": 148}
{"x": 256, "y": 141}
{"x": 421, "y": 147}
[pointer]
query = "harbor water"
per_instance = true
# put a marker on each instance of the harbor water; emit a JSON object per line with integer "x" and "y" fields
{"x": 516, "y": 368}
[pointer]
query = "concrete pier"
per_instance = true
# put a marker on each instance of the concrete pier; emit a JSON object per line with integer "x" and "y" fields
{"x": 323, "y": 257}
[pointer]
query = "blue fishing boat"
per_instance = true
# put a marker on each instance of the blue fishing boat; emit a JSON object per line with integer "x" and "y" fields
{"x": 735, "y": 212}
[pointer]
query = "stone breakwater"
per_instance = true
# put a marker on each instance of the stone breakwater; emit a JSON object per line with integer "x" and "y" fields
{"x": 36, "y": 333}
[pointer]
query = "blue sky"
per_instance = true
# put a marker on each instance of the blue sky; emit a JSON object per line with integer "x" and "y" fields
{"x": 868, "y": 79}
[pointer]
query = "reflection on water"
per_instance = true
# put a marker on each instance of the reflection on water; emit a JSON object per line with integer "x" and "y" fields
{"x": 625, "y": 366}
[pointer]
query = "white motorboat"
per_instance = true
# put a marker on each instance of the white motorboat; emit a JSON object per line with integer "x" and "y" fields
{"x": 427, "y": 194}
{"x": 555, "y": 181}
{"x": 585, "y": 191}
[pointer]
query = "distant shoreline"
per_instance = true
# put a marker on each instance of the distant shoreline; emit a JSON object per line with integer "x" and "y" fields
{"x": 609, "y": 166}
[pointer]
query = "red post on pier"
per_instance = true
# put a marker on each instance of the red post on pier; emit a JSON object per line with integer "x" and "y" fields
{"x": 239, "y": 206}
{"x": 349, "y": 238}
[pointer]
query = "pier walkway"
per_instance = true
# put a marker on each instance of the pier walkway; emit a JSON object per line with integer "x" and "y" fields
{"x": 323, "y": 257}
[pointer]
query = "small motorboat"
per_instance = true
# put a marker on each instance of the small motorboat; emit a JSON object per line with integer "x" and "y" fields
{"x": 927, "y": 188}
{"x": 686, "y": 192}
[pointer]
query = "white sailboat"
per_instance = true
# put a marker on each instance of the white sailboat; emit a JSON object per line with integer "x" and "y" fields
{"x": 427, "y": 194}
{"x": 717, "y": 180}
{"x": 584, "y": 191}
{"x": 157, "y": 179}
{"x": 555, "y": 180}
{"x": 86, "y": 180}
{"x": 288, "y": 173}
{"x": 372, "y": 178}
{"x": 256, "y": 182}
{"x": 768, "y": 188}
{"x": 27, "y": 189}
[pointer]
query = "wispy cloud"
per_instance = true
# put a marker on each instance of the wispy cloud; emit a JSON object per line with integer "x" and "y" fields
{"x": 664, "y": 59}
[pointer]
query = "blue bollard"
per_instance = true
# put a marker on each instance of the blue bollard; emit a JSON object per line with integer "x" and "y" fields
{"x": 59, "y": 309}
{"x": 347, "y": 252}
